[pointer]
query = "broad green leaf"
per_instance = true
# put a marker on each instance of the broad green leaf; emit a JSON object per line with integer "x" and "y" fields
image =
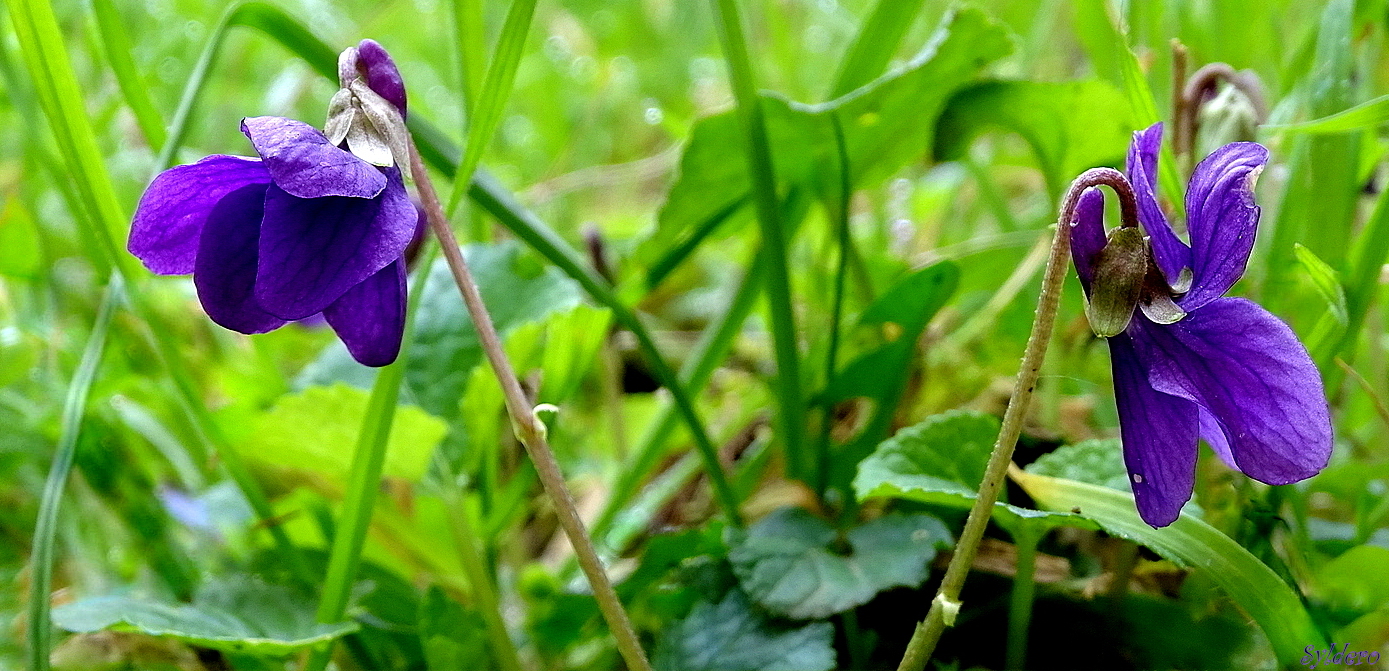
{"x": 887, "y": 124}
{"x": 1098, "y": 462}
{"x": 1191, "y": 542}
{"x": 516, "y": 289}
{"x": 730, "y": 636}
{"x": 795, "y": 564}
{"x": 1071, "y": 126}
{"x": 1356, "y": 579}
{"x": 451, "y": 635}
{"x": 232, "y": 615}
{"x": 942, "y": 461}
{"x": 315, "y": 430}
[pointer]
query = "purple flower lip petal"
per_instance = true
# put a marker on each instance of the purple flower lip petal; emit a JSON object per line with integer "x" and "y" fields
{"x": 1204, "y": 366}
{"x": 305, "y": 164}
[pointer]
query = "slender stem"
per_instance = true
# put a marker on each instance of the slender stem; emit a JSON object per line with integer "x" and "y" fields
{"x": 923, "y": 641}
{"x": 841, "y": 221}
{"x": 363, "y": 483}
{"x": 1024, "y": 591}
{"x": 474, "y": 561}
{"x": 790, "y": 405}
{"x": 45, "y": 529}
{"x": 1179, "y": 111}
{"x": 528, "y": 429}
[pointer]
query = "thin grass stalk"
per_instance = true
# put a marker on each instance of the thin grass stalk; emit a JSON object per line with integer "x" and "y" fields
{"x": 790, "y": 403}
{"x": 45, "y": 529}
{"x": 528, "y": 429}
{"x": 841, "y": 222}
{"x": 487, "y": 113}
{"x": 111, "y": 27}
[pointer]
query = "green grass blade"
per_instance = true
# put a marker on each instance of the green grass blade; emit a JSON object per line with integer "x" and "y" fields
{"x": 790, "y": 403}
{"x": 487, "y": 113}
{"x": 1190, "y": 542}
{"x": 875, "y": 43}
{"x": 45, "y": 530}
{"x": 472, "y": 52}
{"x": 1366, "y": 115}
{"x": 117, "y": 44}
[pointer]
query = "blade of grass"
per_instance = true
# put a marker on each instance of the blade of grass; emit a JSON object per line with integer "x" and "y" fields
{"x": 472, "y": 40}
{"x": 45, "y": 529}
{"x": 117, "y": 44}
{"x": 487, "y": 113}
{"x": 790, "y": 404}
{"x": 101, "y": 214}
{"x": 840, "y": 218}
{"x": 875, "y": 43}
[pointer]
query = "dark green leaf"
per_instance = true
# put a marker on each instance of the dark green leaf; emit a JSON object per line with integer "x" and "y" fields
{"x": 231, "y": 615}
{"x": 729, "y": 636}
{"x": 1071, "y": 126}
{"x": 797, "y": 565}
{"x": 1098, "y": 462}
{"x": 942, "y": 461}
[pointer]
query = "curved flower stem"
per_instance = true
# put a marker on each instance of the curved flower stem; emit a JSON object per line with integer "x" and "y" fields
{"x": 947, "y": 601}
{"x": 527, "y": 428}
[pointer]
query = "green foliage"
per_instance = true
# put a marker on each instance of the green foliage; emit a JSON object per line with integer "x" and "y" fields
{"x": 236, "y": 614}
{"x": 314, "y": 430}
{"x": 798, "y": 566}
{"x": 729, "y": 635}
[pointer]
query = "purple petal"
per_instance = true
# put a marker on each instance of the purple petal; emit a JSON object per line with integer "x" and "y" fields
{"x": 1159, "y": 436}
{"x": 1248, "y": 370}
{"x": 1222, "y": 218}
{"x": 382, "y": 75}
{"x": 1087, "y": 234}
{"x": 170, "y": 217}
{"x": 370, "y": 317}
{"x": 312, "y": 250}
{"x": 225, "y": 273}
{"x": 1214, "y": 434}
{"x": 305, "y": 164}
{"x": 1170, "y": 252}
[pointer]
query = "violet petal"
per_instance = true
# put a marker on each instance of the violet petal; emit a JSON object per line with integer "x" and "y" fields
{"x": 1159, "y": 436}
{"x": 381, "y": 73}
{"x": 169, "y": 220}
{"x": 1214, "y": 435}
{"x": 1087, "y": 234}
{"x": 370, "y": 317}
{"x": 1222, "y": 218}
{"x": 1170, "y": 252}
{"x": 312, "y": 250}
{"x": 305, "y": 164}
{"x": 225, "y": 273}
{"x": 1247, "y": 369}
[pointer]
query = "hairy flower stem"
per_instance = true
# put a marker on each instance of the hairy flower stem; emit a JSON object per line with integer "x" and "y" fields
{"x": 947, "y": 601}
{"x": 527, "y": 428}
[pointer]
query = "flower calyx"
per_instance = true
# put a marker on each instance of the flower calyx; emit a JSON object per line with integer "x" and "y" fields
{"x": 1127, "y": 276}
{"x": 372, "y": 127}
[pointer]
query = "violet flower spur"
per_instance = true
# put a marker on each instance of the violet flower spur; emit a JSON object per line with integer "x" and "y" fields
{"x": 306, "y": 228}
{"x": 1190, "y": 362}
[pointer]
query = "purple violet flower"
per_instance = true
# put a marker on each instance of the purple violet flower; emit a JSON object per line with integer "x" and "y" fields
{"x": 307, "y": 227}
{"x": 1223, "y": 369}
